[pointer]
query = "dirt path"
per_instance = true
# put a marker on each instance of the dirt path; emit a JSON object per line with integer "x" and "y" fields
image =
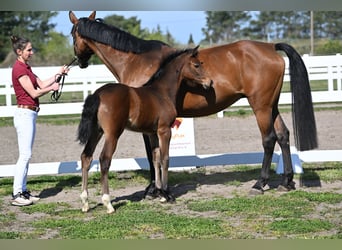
{"x": 212, "y": 135}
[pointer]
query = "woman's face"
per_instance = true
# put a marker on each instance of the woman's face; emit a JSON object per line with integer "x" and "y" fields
{"x": 26, "y": 53}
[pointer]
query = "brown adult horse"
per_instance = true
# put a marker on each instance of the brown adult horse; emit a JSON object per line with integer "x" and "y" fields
{"x": 150, "y": 109}
{"x": 244, "y": 69}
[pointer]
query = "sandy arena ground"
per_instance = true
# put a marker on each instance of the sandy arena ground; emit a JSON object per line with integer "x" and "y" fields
{"x": 212, "y": 135}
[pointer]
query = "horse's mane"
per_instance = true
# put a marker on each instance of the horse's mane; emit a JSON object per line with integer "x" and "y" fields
{"x": 118, "y": 39}
{"x": 165, "y": 62}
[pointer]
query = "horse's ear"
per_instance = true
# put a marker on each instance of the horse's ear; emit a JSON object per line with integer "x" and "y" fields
{"x": 72, "y": 17}
{"x": 92, "y": 15}
{"x": 195, "y": 51}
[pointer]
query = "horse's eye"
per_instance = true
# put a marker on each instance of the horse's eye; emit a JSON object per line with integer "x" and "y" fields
{"x": 196, "y": 65}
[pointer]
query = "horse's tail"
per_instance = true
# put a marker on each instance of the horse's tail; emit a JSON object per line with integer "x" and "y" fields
{"x": 88, "y": 119}
{"x": 304, "y": 124}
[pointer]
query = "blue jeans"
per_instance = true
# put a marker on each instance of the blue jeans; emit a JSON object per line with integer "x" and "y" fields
{"x": 25, "y": 125}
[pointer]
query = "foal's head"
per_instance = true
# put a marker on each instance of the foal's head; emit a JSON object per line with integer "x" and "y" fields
{"x": 81, "y": 49}
{"x": 193, "y": 73}
{"x": 186, "y": 65}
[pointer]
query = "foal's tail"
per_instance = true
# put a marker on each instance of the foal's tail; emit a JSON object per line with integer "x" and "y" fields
{"x": 88, "y": 121}
{"x": 304, "y": 124}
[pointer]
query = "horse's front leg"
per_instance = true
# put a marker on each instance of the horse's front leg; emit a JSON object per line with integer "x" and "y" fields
{"x": 164, "y": 142}
{"x": 150, "y": 191}
{"x": 155, "y": 150}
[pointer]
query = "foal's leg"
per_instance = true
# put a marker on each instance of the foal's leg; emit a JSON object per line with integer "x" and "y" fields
{"x": 265, "y": 123}
{"x": 86, "y": 159}
{"x": 284, "y": 142}
{"x": 105, "y": 161}
{"x": 155, "y": 152}
{"x": 164, "y": 135}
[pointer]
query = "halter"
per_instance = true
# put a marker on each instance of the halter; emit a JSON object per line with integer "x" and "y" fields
{"x": 60, "y": 79}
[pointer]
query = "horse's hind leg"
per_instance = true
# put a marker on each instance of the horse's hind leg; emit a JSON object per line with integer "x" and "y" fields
{"x": 265, "y": 123}
{"x": 86, "y": 159}
{"x": 105, "y": 161}
{"x": 284, "y": 142}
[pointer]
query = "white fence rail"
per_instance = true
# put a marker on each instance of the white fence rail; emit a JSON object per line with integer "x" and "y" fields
{"x": 328, "y": 68}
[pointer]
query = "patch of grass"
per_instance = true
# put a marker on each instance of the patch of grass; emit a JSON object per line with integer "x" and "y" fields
{"x": 300, "y": 226}
{"x": 326, "y": 197}
{"x": 10, "y": 235}
{"x": 59, "y": 119}
{"x": 327, "y": 171}
{"x": 46, "y": 183}
{"x": 47, "y": 208}
{"x": 135, "y": 221}
{"x": 120, "y": 179}
{"x": 6, "y": 218}
{"x": 297, "y": 214}
{"x": 252, "y": 206}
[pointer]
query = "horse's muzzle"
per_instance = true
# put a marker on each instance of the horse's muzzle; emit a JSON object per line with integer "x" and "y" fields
{"x": 83, "y": 65}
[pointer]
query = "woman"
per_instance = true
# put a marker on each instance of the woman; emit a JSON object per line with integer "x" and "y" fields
{"x": 28, "y": 88}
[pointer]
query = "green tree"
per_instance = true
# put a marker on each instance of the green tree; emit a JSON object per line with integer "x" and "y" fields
{"x": 223, "y": 26}
{"x": 57, "y": 50}
{"x": 34, "y": 25}
{"x": 132, "y": 25}
{"x": 331, "y": 47}
{"x": 191, "y": 40}
{"x": 327, "y": 24}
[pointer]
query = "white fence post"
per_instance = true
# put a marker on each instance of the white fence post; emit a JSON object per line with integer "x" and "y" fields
{"x": 8, "y": 89}
{"x": 339, "y": 72}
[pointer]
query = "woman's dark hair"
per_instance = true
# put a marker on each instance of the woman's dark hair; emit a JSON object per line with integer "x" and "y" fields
{"x": 19, "y": 43}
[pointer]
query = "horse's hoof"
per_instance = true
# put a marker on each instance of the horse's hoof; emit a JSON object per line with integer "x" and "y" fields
{"x": 165, "y": 196}
{"x": 149, "y": 197}
{"x": 85, "y": 210}
{"x": 151, "y": 192}
{"x": 163, "y": 200}
{"x": 289, "y": 187}
{"x": 168, "y": 199}
{"x": 292, "y": 185}
{"x": 256, "y": 191}
{"x": 110, "y": 210}
{"x": 282, "y": 188}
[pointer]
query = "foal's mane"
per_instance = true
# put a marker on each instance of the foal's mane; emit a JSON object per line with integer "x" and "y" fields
{"x": 118, "y": 39}
{"x": 165, "y": 62}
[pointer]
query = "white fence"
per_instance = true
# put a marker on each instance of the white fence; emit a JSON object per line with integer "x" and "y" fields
{"x": 327, "y": 68}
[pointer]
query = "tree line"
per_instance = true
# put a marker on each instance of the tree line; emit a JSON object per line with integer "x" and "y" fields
{"x": 294, "y": 27}
{"x": 271, "y": 25}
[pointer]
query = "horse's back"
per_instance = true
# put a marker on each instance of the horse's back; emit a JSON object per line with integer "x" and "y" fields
{"x": 242, "y": 55}
{"x": 244, "y": 65}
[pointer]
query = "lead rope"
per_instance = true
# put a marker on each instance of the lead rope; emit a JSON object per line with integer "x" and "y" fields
{"x": 56, "y": 94}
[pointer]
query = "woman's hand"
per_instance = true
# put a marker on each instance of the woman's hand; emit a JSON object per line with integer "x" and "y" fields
{"x": 55, "y": 86}
{"x": 63, "y": 70}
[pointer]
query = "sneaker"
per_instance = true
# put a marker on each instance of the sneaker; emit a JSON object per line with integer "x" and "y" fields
{"x": 27, "y": 194}
{"x": 20, "y": 200}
